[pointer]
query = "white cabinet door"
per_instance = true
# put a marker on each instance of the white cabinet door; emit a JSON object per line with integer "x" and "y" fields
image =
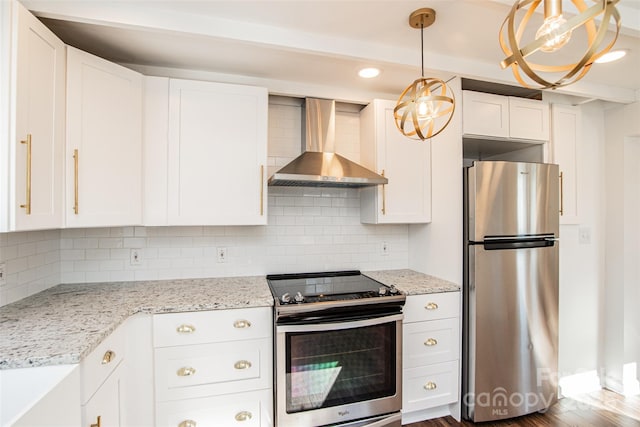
{"x": 104, "y": 142}
{"x": 105, "y": 406}
{"x": 528, "y": 119}
{"x": 217, "y": 154}
{"x": 405, "y": 162}
{"x": 565, "y": 134}
{"x": 37, "y": 134}
{"x": 485, "y": 114}
{"x": 497, "y": 116}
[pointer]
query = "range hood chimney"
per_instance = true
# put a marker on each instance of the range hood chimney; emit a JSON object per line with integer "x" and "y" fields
{"x": 319, "y": 165}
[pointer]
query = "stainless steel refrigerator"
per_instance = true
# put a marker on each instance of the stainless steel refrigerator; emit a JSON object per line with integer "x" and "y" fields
{"x": 510, "y": 332}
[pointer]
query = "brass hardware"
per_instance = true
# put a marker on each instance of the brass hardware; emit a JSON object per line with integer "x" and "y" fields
{"x": 109, "y": 355}
{"x": 422, "y": 18}
{"x": 241, "y": 324}
{"x": 261, "y": 190}
{"x": 430, "y": 386}
{"x": 431, "y": 342}
{"x": 185, "y": 329}
{"x": 242, "y": 364}
{"x": 98, "y": 422}
{"x": 243, "y": 416}
{"x": 75, "y": 181}
{"x": 186, "y": 371}
{"x": 187, "y": 423}
{"x": 431, "y": 306}
{"x": 384, "y": 198}
{"x": 27, "y": 204}
{"x": 561, "y": 195}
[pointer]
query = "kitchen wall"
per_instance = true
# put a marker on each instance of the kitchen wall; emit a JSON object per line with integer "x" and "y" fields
{"x": 309, "y": 230}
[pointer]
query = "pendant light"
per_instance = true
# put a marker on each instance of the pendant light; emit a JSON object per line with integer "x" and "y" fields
{"x": 426, "y": 106}
{"x": 556, "y": 32}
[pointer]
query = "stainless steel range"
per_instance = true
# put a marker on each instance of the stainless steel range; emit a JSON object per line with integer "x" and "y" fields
{"x": 338, "y": 343}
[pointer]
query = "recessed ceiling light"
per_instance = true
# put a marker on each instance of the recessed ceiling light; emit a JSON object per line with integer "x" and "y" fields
{"x": 611, "y": 56}
{"x": 368, "y": 73}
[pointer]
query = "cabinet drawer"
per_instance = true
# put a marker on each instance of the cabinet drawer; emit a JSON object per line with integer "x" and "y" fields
{"x": 429, "y": 386}
{"x": 210, "y": 369}
{"x": 211, "y": 326}
{"x": 432, "y": 306}
{"x": 425, "y": 343}
{"x": 251, "y": 409}
{"x": 101, "y": 362}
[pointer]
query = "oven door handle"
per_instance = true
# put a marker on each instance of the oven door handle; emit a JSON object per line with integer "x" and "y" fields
{"x": 335, "y": 326}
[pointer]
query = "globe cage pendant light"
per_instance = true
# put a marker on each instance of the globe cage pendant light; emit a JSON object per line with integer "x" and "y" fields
{"x": 426, "y": 106}
{"x": 555, "y": 32}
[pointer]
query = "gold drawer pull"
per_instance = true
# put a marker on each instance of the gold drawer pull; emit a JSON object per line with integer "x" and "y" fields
{"x": 242, "y": 364}
{"x": 109, "y": 355}
{"x": 186, "y": 371}
{"x": 187, "y": 423}
{"x": 243, "y": 416}
{"x": 431, "y": 306}
{"x": 186, "y": 329}
{"x": 98, "y": 422}
{"x": 27, "y": 204}
{"x": 431, "y": 342}
{"x": 430, "y": 386}
{"x": 241, "y": 324}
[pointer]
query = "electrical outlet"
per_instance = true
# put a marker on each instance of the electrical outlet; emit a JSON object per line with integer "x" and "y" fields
{"x": 135, "y": 258}
{"x": 384, "y": 249}
{"x": 3, "y": 273}
{"x": 222, "y": 254}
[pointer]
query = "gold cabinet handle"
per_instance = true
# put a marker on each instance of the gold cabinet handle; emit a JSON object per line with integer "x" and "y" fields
{"x": 561, "y": 194}
{"x": 27, "y": 205}
{"x": 109, "y": 355}
{"x": 186, "y": 329}
{"x": 430, "y": 386}
{"x": 75, "y": 181}
{"x": 431, "y": 306}
{"x": 241, "y": 324}
{"x": 261, "y": 190}
{"x": 384, "y": 196}
{"x": 431, "y": 342}
{"x": 242, "y": 364}
{"x": 187, "y": 423}
{"x": 98, "y": 422}
{"x": 186, "y": 371}
{"x": 243, "y": 416}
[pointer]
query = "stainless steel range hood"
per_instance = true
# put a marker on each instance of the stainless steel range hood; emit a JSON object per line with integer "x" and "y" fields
{"x": 319, "y": 165}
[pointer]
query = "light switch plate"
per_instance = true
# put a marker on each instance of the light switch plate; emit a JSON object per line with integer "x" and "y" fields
{"x": 584, "y": 235}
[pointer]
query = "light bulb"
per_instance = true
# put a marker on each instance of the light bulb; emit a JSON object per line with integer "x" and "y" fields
{"x": 554, "y": 39}
{"x": 425, "y": 110}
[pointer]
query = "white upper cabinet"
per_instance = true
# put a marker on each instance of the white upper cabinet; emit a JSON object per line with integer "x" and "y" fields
{"x": 104, "y": 143}
{"x": 497, "y": 116}
{"x": 405, "y": 162}
{"x": 217, "y": 153}
{"x": 36, "y": 142}
{"x": 565, "y": 133}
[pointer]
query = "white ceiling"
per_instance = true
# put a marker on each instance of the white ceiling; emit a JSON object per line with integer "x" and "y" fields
{"x": 293, "y": 45}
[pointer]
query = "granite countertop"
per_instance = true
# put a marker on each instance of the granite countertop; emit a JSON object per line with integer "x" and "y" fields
{"x": 63, "y": 324}
{"x": 413, "y": 283}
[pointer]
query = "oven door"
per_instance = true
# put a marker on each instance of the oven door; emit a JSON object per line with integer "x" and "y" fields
{"x": 329, "y": 373}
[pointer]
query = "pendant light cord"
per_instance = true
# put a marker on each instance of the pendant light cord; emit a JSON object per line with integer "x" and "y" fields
{"x": 422, "y": 46}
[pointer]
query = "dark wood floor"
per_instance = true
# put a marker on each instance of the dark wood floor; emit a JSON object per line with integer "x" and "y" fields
{"x": 598, "y": 409}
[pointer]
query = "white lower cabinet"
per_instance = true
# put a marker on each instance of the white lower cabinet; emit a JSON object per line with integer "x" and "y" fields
{"x": 430, "y": 355}
{"x": 248, "y": 409}
{"x": 104, "y": 409}
{"x": 214, "y": 368}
